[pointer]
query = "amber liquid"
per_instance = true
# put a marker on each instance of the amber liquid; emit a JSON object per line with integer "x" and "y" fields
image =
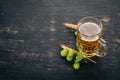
{"x": 89, "y": 45}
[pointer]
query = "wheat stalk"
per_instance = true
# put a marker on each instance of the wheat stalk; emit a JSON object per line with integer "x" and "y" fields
{"x": 70, "y": 25}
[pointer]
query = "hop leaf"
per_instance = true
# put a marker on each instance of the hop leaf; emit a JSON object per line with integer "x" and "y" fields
{"x": 64, "y": 52}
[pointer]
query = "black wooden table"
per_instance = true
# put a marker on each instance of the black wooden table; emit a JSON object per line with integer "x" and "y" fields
{"x": 31, "y": 32}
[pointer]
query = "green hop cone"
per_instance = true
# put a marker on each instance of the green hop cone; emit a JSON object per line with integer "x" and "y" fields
{"x": 71, "y": 53}
{"x": 76, "y": 66}
{"x": 79, "y": 57}
{"x": 69, "y": 58}
{"x": 76, "y": 32}
{"x": 64, "y": 53}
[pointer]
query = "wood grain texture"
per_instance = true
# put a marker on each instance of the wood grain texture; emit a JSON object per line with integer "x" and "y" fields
{"x": 31, "y": 32}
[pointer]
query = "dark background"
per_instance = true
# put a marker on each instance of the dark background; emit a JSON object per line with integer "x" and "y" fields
{"x": 31, "y": 32}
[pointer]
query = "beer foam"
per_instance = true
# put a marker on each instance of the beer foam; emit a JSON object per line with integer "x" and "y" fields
{"x": 89, "y": 39}
{"x": 89, "y": 29}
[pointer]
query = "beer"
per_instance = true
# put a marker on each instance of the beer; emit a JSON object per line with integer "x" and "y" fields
{"x": 88, "y": 38}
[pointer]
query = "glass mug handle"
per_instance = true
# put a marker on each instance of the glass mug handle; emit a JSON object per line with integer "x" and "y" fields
{"x": 103, "y": 48}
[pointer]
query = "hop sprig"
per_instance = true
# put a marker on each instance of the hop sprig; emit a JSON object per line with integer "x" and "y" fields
{"x": 78, "y": 60}
{"x": 71, "y": 54}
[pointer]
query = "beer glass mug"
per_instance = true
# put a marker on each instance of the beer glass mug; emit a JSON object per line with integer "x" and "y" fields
{"x": 89, "y": 38}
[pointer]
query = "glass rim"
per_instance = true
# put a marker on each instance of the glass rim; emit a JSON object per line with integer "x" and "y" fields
{"x": 100, "y": 25}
